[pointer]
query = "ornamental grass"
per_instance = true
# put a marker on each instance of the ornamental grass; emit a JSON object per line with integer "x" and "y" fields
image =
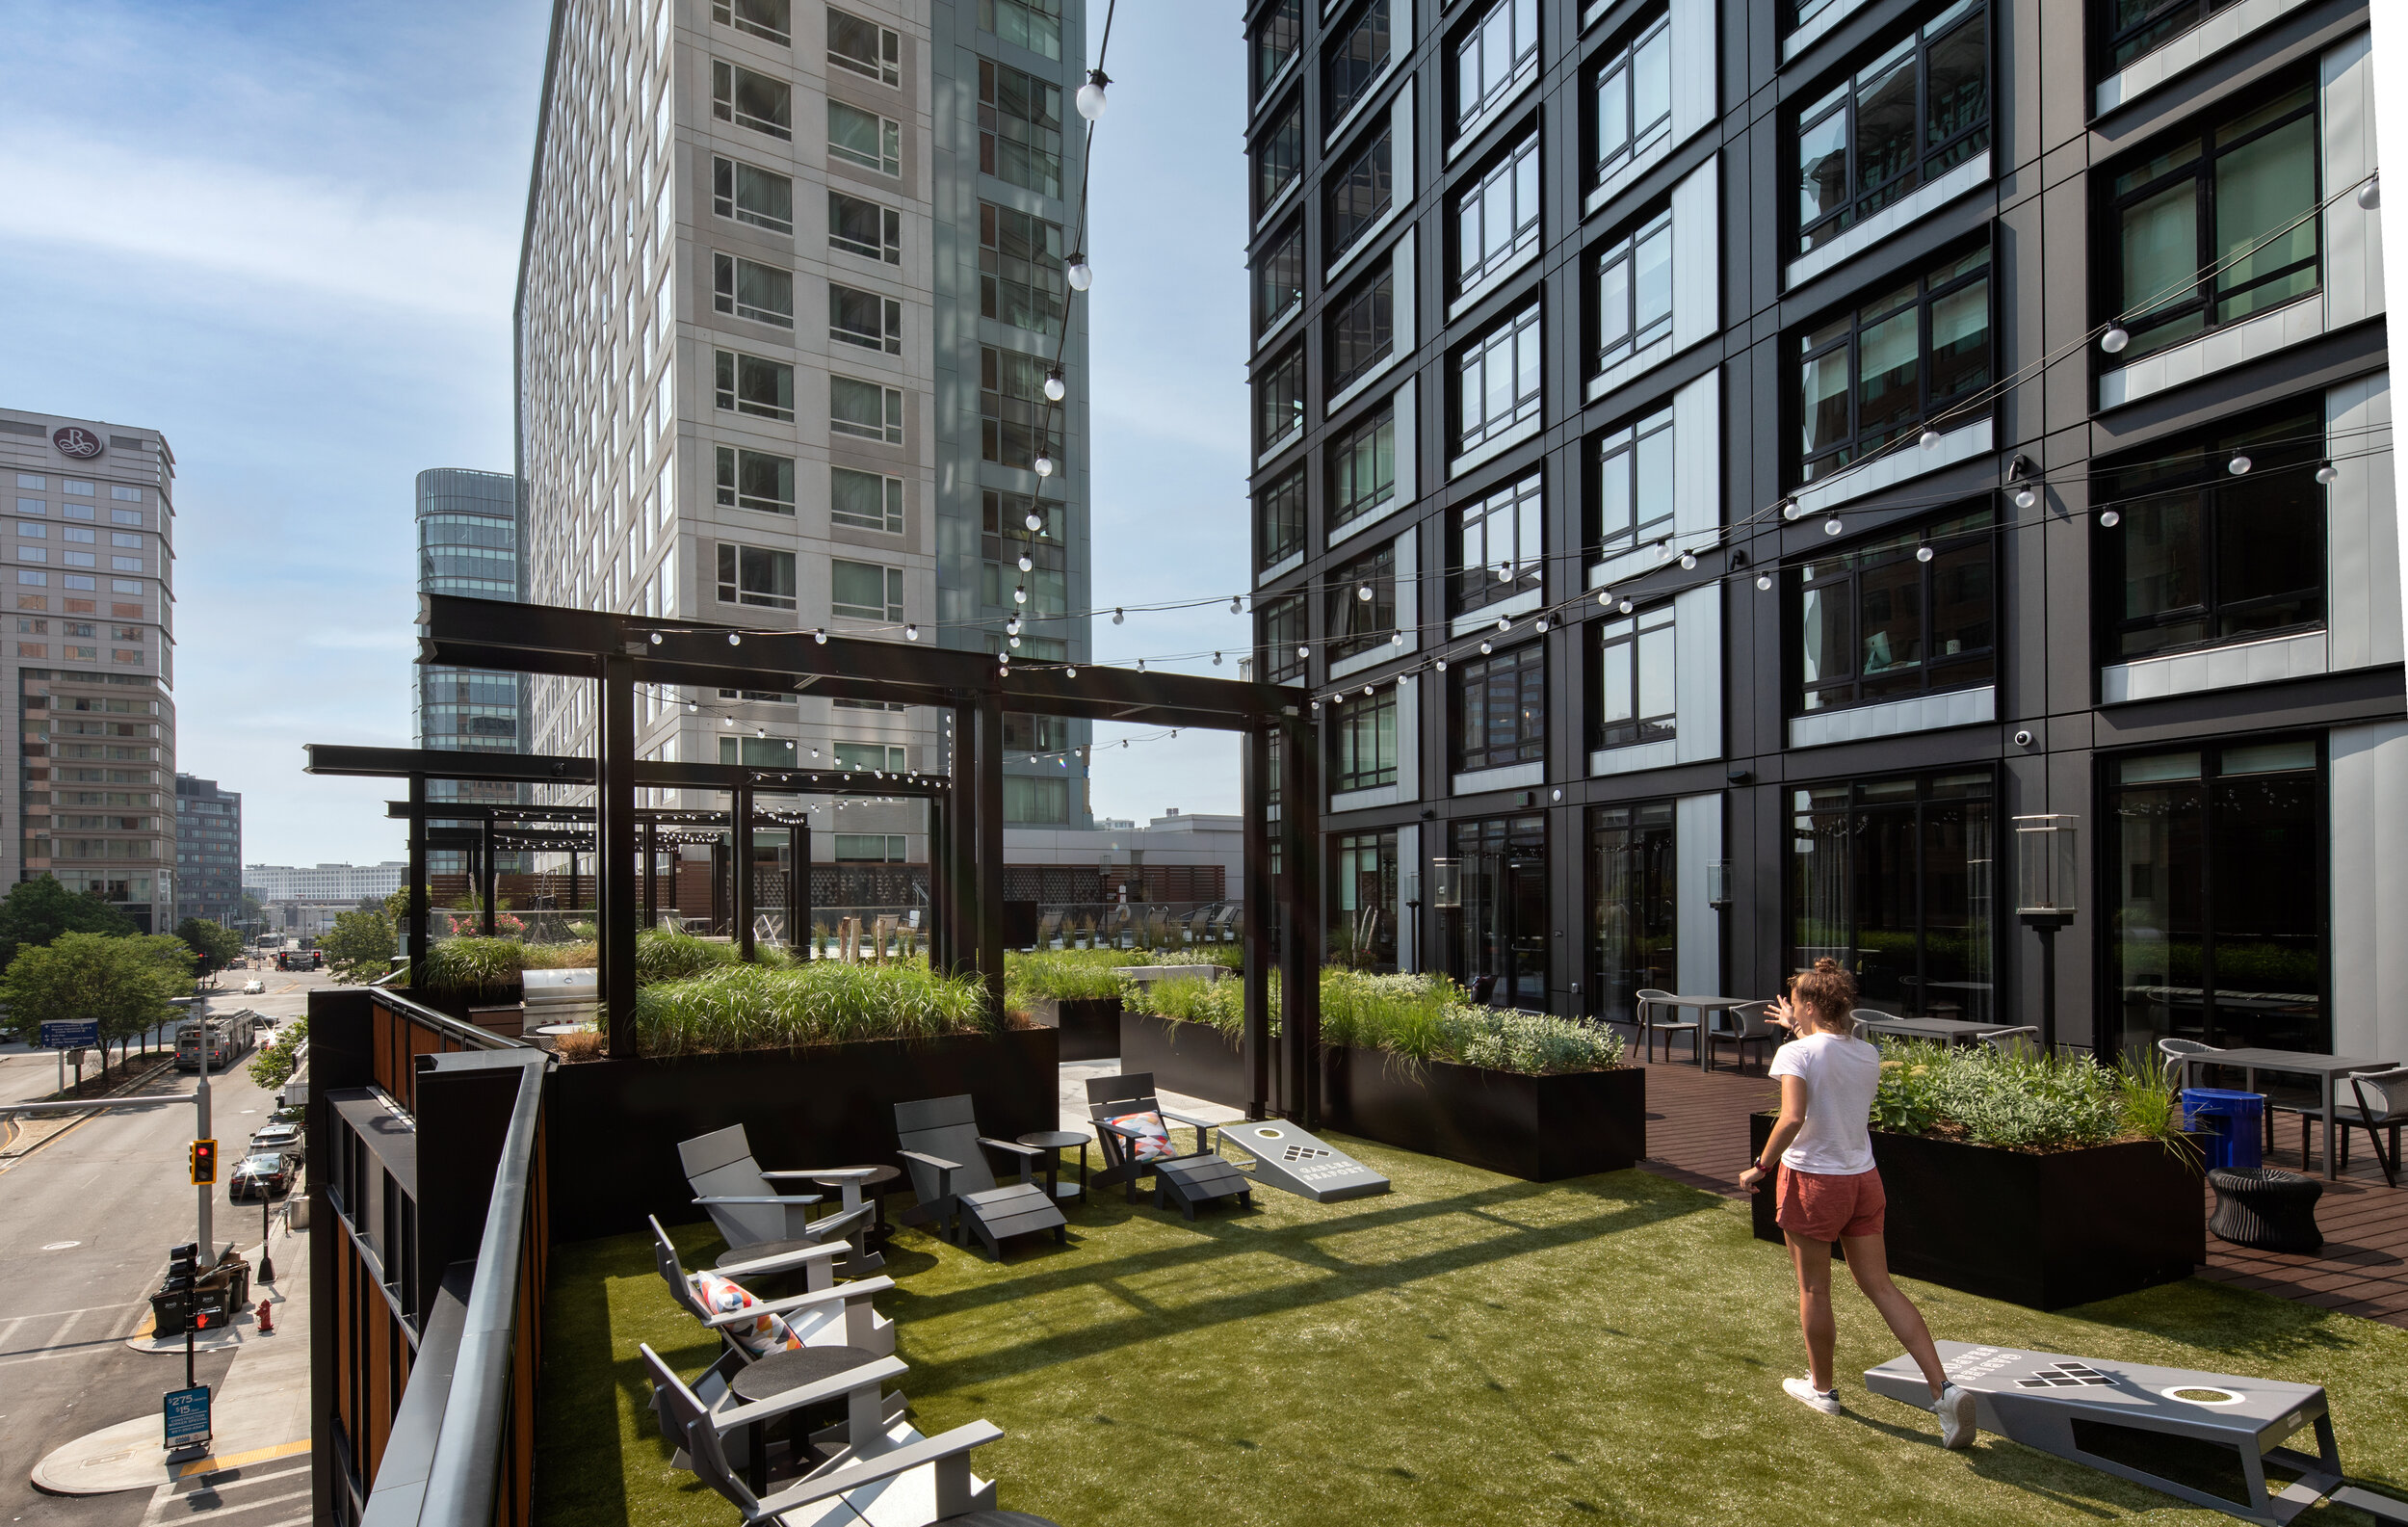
{"x": 740, "y": 1007}
{"x": 2022, "y": 1102}
{"x": 1066, "y": 975}
{"x": 458, "y": 966}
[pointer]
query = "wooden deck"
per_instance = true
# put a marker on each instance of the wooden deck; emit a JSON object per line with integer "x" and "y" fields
{"x": 1697, "y": 1134}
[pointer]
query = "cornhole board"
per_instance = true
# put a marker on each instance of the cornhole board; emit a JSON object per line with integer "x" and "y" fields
{"x": 2203, "y": 1437}
{"x": 1301, "y": 1163}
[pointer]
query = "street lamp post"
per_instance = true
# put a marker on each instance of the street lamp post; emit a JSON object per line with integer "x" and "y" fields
{"x": 2048, "y": 866}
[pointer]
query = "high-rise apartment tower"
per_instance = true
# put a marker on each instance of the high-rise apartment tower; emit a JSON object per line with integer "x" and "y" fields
{"x": 208, "y": 852}
{"x": 468, "y": 543}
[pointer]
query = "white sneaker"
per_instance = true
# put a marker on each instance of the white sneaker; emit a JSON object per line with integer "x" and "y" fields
{"x": 1956, "y": 1409}
{"x": 1804, "y": 1392}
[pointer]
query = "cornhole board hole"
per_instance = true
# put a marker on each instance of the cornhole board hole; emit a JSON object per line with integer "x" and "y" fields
{"x": 1295, "y": 1161}
{"x": 2203, "y": 1437}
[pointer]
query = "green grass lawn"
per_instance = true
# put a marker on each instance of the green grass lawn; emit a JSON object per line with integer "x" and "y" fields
{"x": 1469, "y": 1349}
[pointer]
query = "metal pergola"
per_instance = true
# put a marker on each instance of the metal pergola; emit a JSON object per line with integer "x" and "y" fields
{"x": 618, "y": 652}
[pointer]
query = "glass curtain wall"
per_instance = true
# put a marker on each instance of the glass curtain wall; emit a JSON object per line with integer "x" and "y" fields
{"x": 1500, "y": 939}
{"x": 1632, "y": 944}
{"x": 1896, "y": 880}
{"x": 1364, "y": 934}
{"x": 2215, "y": 903}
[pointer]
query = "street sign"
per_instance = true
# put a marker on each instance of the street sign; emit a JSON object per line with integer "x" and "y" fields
{"x": 205, "y": 1163}
{"x": 56, "y": 1035}
{"x": 185, "y": 1412}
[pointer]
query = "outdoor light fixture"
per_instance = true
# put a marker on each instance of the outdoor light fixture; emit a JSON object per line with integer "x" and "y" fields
{"x": 1624, "y": 607}
{"x": 2111, "y": 518}
{"x": 1486, "y": 650}
{"x": 1366, "y": 695}
{"x": 1446, "y": 884}
{"x": 1504, "y": 573}
{"x": 1025, "y": 563}
{"x": 1922, "y": 553}
{"x": 1082, "y": 274}
{"x": 1303, "y": 651}
{"x": 1442, "y": 665}
{"x": 1542, "y": 626}
{"x": 2238, "y": 465}
{"x": 1020, "y": 594}
{"x": 1015, "y": 640}
{"x": 2115, "y": 339}
{"x": 1364, "y": 592}
{"x": 656, "y": 638}
{"x": 1789, "y": 508}
{"x": 820, "y": 635}
{"x": 1140, "y": 664}
{"x": 1689, "y": 558}
{"x": 1237, "y": 604}
{"x": 2024, "y": 497}
{"x": 911, "y": 633}
{"x": 2370, "y": 195}
{"x": 1035, "y": 521}
{"x": 1832, "y": 526}
{"x": 1044, "y": 467}
{"x": 1070, "y": 673}
{"x": 1012, "y": 627}
{"x": 1396, "y": 639}
{"x": 815, "y": 752}
{"x": 1764, "y": 580}
{"x": 1718, "y": 885}
{"x": 1504, "y": 624}
{"x": 2326, "y": 473}
{"x": 735, "y": 639}
{"x": 1216, "y": 660}
{"x": 1118, "y": 615}
{"x": 1091, "y": 101}
{"x": 1055, "y": 389}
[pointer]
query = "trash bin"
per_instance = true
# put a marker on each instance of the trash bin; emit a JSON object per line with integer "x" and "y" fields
{"x": 2233, "y": 1122}
{"x": 172, "y": 1312}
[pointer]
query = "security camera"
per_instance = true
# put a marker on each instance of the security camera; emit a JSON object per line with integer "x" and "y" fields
{"x": 2023, "y": 739}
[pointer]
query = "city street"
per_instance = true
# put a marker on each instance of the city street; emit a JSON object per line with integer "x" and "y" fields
{"x": 91, "y": 1212}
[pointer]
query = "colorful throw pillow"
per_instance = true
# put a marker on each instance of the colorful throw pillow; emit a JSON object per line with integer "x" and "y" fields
{"x": 760, "y": 1337}
{"x": 1148, "y": 1137}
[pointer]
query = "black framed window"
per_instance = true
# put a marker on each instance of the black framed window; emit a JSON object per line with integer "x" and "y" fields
{"x": 757, "y": 576}
{"x": 1898, "y": 880}
{"x": 1016, "y": 422}
{"x": 754, "y": 480}
{"x": 1362, "y": 328}
{"x": 1032, "y": 25}
{"x": 1906, "y": 119}
{"x": 1020, "y": 269}
{"x": 1359, "y": 603}
{"x": 1496, "y": 220}
{"x": 864, "y": 319}
{"x": 1636, "y": 702}
{"x": 861, "y": 500}
{"x": 749, "y": 289}
{"x": 1361, "y": 190}
{"x": 2202, "y": 555}
{"x": 1898, "y": 616}
{"x": 1278, "y": 153}
{"x": 1364, "y": 878}
{"x": 1498, "y": 943}
{"x": 1499, "y": 380}
{"x": 1363, "y": 740}
{"x": 1631, "y": 99}
{"x": 2131, "y": 28}
{"x": 758, "y": 102}
{"x": 1285, "y": 641}
{"x": 1501, "y": 708}
{"x": 1905, "y": 359}
{"x": 1279, "y": 399}
{"x": 1500, "y": 546}
{"x": 1019, "y": 128}
{"x": 864, "y": 48}
{"x": 1634, "y": 484}
{"x": 748, "y": 194}
{"x": 1632, "y": 921}
{"x": 1635, "y": 291}
{"x": 1494, "y": 57}
{"x": 2218, "y": 225}
{"x": 1272, "y": 41}
{"x": 1279, "y": 277}
{"x": 2217, "y": 881}
{"x": 1279, "y": 519}
{"x": 1363, "y": 466}
{"x": 754, "y": 385}
{"x": 858, "y": 225}
{"x": 1353, "y": 61}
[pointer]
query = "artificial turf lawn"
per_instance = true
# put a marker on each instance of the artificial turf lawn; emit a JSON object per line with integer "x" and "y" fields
{"x": 1469, "y": 1349}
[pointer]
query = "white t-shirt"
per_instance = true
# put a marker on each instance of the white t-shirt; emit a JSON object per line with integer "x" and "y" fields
{"x": 1841, "y": 1075}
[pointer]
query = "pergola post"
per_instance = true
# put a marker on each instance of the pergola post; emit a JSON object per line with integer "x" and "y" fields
{"x": 488, "y": 879}
{"x": 798, "y": 888}
{"x": 651, "y": 873}
{"x": 1300, "y": 905}
{"x": 417, "y": 898}
{"x": 989, "y": 891}
{"x": 961, "y": 845}
{"x": 739, "y": 822}
{"x": 615, "y": 842}
{"x": 940, "y": 944}
{"x": 1254, "y": 890}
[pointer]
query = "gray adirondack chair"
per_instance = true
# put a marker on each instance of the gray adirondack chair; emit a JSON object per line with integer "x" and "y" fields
{"x": 947, "y": 1158}
{"x": 1196, "y": 1177}
{"x": 716, "y": 1441}
{"x": 758, "y": 1221}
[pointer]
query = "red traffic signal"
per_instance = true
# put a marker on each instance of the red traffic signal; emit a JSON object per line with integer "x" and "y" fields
{"x": 205, "y": 1163}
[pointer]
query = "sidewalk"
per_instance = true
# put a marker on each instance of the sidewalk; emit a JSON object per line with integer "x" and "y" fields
{"x": 261, "y": 1413}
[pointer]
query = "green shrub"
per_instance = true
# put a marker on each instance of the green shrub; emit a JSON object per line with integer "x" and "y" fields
{"x": 1535, "y": 1043}
{"x": 470, "y": 965}
{"x": 564, "y": 957}
{"x": 740, "y": 1007}
{"x": 273, "y": 1066}
{"x": 665, "y": 956}
{"x": 1066, "y": 974}
{"x": 2020, "y": 1102}
{"x": 1193, "y": 999}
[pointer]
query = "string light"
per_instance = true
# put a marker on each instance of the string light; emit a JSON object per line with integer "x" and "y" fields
{"x": 1025, "y": 563}
{"x": 1015, "y": 642}
{"x": 1012, "y": 627}
{"x": 1364, "y": 593}
{"x": 1486, "y": 650}
{"x": 1832, "y": 526}
{"x": 1091, "y": 101}
{"x": 911, "y": 633}
{"x": 1071, "y": 672}
{"x": 2326, "y": 473}
{"x": 1542, "y": 626}
{"x": 1237, "y": 604}
{"x": 1505, "y": 623}
{"x": 1789, "y": 508}
{"x": 1930, "y": 439}
{"x": 1035, "y": 522}
{"x": 1216, "y": 660}
{"x": 1119, "y": 614}
{"x": 820, "y": 635}
{"x": 2115, "y": 339}
{"x": 1020, "y": 594}
{"x": 2238, "y": 466}
{"x": 1689, "y": 558}
{"x": 656, "y": 638}
{"x": 1303, "y": 651}
{"x": 1396, "y": 639}
{"x": 1624, "y": 607}
{"x": 1055, "y": 389}
{"x": 1044, "y": 465}
{"x": 2109, "y": 518}
{"x": 1605, "y": 598}
{"x": 2370, "y": 195}
{"x": 1764, "y": 580}
{"x": 1923, "y": 554}
{"x": 1442, "y": 665}
{"x": 735, "y": 639}
{"x": 1082, "y": 274}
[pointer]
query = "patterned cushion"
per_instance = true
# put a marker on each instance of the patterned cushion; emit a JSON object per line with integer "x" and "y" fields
{"x": 1148, "y": 1137}
{"x": 760, "y": 1337}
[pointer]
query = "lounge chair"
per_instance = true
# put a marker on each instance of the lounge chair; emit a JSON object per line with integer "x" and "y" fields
{"x": 718, "y": 1441}
{"x": 947, "y": 1158}
{"x": 756, "y": 1218}
{"x": 1134, "y": 1128}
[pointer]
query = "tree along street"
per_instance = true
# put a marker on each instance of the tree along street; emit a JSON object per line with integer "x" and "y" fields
{"x": 111, "y": 1196}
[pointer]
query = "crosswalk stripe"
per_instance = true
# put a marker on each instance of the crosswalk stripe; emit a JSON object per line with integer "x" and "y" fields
{"x": 84, "y": 1309}
{"x": 157, "y": 1506}
{"x": 10, "y": 1330}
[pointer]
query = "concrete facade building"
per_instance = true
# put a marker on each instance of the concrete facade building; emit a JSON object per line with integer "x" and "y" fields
{"x": 347, "y": 883}
{"x": 1717, "y": 465}
{"x": 793, "y": 286}
{"x": 469, "y": 538}
{"x": 208, "y": 852}
{"x": 89, "y": 663}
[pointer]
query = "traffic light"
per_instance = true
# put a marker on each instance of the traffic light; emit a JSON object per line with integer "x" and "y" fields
{"x": 205, "y": 1163}
{"x": 183, "y": 1268}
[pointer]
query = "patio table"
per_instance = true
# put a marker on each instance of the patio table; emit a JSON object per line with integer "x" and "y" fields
{"x": 1704, "y": 1006}
{"x": 767, "y": 1378}
{"x": 2329, "y": 1070}
{"x": 1948, "y": 1031}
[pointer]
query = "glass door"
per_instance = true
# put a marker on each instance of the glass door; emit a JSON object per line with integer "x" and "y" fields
{"x": 1632, "y": 942}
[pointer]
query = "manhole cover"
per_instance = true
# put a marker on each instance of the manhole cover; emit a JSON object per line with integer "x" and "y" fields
{"x": 61, "y": 1245}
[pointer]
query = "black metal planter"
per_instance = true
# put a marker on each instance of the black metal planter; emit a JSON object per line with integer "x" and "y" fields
{"x": 1192, "y": 1058}
{"x": 1539, "y": 1128}
{"x": 2044, "y": 1230}
{"x": 1090, "y": 1026}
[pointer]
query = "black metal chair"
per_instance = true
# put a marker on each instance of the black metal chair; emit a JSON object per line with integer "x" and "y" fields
{"x": 2380, "y": 1103}
{"x": 947, "y": 1158}
{"x": 1187, "y": 1179}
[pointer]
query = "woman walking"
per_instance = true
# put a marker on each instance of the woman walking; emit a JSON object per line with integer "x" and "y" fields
{"x": 1829, "y": 1190}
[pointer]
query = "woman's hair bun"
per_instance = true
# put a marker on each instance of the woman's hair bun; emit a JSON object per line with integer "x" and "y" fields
{"x": 1826, "y": 965}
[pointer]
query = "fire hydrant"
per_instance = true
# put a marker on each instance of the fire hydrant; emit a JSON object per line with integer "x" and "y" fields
{"x": 267, "y": 1321}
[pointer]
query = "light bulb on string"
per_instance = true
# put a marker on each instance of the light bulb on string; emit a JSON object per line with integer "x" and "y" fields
{"x": 1832, "y": 526}
{"x": 1505, "y": 623}
{"x": 1216, "y": 660}
{"x": 1118, "y": 615}
{"x": 1082, "y": 274}
{"x": 1237, "y": 604}
{"x": 1014, "y": 641}
{"x": 1020, "y": 594}
{"x": 1605, "y": 598}
{"x": 2370, "y": 194}
{"x": 1442, "y": 665}
{"x": 760, "y": 731}
{"x": 1789, "y": 508}
{"x": 1303, "y": 651}
{"x": 1044, "y": 465}
{"x": 1504, "y": 573}
{"x": 1035, "y": 521}
{"x": 1055, "y": 389}
{"x": 656, "y": 638}
{"x": 1012, "y": 627}
{"x": 735, "y": 639}
{"x": 2024, "y": 497}
{"x": 1764, "y": 580}
{"x": 1396, "y": 639}
{"x": 2111, "y": 518}
{"x": 911, "y": 633}
{"x": 1026, "y": 565}
{"x": 2238, "y": 465}
{"x": 1689, "y": 558}
{"x": 1542, "y": 626}
{"x": 1624, "y": 607}
{"x": 820, "y": 635}
{"x": 1364, "y": 593}
{"x": 1922, "y": 553}
{"x": 1140, "y": 664}
{"x": 1367, "y": 693}
{"x": 2328, "y": 473}
{"x": 2115, "y": 339}
{"x": 1486, "y": 650}
{"x": 1090, "y": 98}
{"x": 1070, "y": 673}
{"x": 1930, "y": 439}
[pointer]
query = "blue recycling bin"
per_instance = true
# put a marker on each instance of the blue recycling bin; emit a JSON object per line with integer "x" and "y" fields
{"x": 2233, "y": 1122}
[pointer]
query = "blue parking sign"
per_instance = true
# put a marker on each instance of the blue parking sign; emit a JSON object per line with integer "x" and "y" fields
{"x": 187, "y": 1412}
{"x": 56, "y": 1035}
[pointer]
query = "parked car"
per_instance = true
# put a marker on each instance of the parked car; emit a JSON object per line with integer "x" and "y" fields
{"x": 285, "y": 1139}
{"x": 264, "y": 1174}
{"x": 254, "y": 986}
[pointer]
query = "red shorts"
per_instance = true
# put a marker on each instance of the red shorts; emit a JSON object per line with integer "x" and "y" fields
{"x": 1825, "y": 1208}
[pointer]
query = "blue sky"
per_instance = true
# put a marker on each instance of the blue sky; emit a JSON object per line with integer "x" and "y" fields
{"x": 286, "y": 235}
